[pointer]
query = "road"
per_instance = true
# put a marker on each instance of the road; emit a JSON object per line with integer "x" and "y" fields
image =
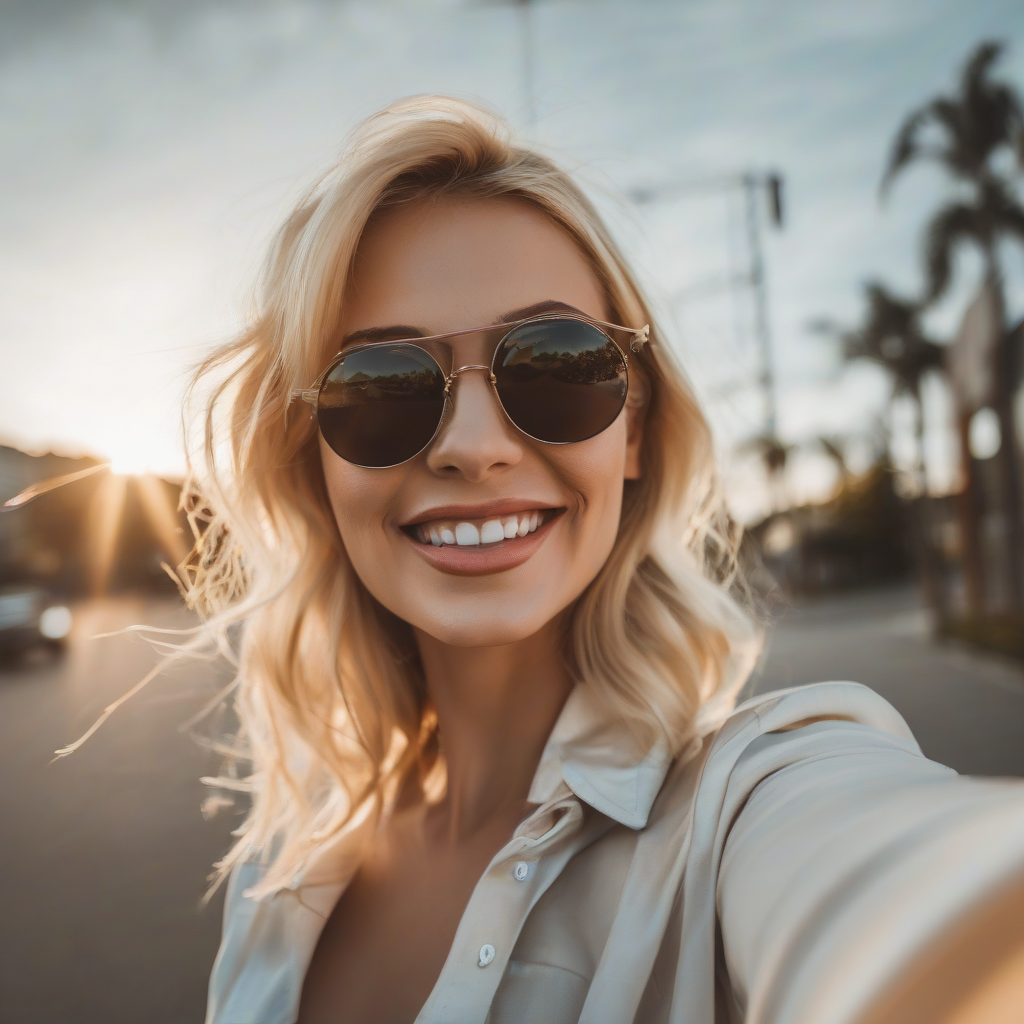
{"x": 104, "y": 855}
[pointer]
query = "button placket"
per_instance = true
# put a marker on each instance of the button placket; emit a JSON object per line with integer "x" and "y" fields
{"x": 494, "y": 917}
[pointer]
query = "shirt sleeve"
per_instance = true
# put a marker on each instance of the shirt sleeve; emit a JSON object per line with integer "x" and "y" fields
{"x": 252, "y": 981}
{"x": 846, "y": 861}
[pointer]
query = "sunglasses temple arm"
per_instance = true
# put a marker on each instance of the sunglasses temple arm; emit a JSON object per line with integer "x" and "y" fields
{"x": 305, "y": 394}
{"x": 640, "y": 338}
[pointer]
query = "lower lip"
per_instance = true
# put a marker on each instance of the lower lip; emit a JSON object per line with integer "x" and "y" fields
{"x": 483, "y": 559}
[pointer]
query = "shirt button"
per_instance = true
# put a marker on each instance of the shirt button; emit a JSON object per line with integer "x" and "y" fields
{"x": 521, "y": 870}
{"x": 486, "y": 955}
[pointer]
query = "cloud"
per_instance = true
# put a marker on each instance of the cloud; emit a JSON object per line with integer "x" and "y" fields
{"x": 147, "y": 150}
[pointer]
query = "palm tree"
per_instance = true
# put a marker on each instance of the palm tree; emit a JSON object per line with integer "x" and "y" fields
{"x": 968, "y": 135}
{"x": 891, "y": 335}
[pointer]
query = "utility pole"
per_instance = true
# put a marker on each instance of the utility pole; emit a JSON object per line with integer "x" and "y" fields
{"x": 524, "y": 15}
{"x": 526, "y": 35}
{"x": 756, "y": 187}
{"x": 752, "y": 185}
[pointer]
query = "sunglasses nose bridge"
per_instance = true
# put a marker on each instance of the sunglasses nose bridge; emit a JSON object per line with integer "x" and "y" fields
{"x": 449, "y": 382}
{"x": 450, "y": 379}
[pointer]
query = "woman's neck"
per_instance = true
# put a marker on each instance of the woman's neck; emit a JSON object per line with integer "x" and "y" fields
{"x": 496, "y": 707}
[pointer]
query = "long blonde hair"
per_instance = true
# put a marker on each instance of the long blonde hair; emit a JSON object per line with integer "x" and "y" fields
{"x": 329, "y": 692}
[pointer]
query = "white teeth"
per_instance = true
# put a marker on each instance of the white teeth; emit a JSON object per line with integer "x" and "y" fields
{"x": 491, "y": 532}
{"x": 466, "y": 535}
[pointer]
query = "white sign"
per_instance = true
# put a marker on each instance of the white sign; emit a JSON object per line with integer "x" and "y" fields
{"x": 972, "y": 356}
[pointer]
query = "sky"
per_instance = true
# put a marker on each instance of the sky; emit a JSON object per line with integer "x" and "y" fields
{"x": 148, "y": 151}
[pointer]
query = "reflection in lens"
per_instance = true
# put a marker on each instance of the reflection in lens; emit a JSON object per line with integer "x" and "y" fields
{"x": 561, "y": 380}
{"x": 381, "y": 406}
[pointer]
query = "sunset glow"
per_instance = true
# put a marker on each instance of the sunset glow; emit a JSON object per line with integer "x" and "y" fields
{"x": 172, "y": 213}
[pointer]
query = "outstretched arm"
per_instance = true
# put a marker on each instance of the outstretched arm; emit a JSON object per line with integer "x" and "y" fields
{"x": 864, "y": 884}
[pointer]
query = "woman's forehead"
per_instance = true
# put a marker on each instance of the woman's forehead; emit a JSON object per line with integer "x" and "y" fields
{"x": 446, "y": 265}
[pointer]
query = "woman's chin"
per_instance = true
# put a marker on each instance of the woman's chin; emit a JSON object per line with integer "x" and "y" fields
{"x": 479, "y": 630}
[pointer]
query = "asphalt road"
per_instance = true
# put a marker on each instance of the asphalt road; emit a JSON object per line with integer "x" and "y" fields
{"x": 104, "y": 855}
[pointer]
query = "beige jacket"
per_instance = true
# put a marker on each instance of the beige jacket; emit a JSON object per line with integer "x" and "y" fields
{"x": 782, "y": 872}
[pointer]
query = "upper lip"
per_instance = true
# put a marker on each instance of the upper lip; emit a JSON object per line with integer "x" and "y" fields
{"x": 496, "y": 508}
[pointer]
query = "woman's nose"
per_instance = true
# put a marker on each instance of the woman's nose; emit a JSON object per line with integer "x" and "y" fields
{"x": 476, "y": 438}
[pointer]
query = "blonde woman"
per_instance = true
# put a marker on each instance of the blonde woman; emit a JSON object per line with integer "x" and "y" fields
{"x": 462, "y": 499}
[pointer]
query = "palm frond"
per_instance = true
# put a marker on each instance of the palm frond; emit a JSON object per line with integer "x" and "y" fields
{"x": 1009, "y": 112}
{"x": 980, "y": 119}
{"x": 959, "y": 154}
{"x": 891, "y": 336}
{"x": 905, "y": 147}
{"x": 948, "y": 229}
{"x": 991, "y": 110}
{"x": 974, "y": 77}
{"x": 1012, "y": 221}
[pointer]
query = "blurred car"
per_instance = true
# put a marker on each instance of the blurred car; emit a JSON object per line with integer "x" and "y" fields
{"x": 29, "y": 617}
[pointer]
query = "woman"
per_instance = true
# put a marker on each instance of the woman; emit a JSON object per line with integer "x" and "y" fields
{"x": 490, "y": 656}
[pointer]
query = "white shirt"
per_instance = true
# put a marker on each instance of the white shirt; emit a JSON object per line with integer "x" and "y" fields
{"x": 810, "y": 832}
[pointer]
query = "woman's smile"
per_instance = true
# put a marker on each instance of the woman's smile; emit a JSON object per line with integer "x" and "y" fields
{"x": 478, "y": 540}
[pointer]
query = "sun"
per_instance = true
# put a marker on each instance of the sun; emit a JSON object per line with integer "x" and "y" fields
{"x": 130, "y": 460}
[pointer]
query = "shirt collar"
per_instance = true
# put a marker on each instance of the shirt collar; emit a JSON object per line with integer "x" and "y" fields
{"x": 589, "y": 751}
{"x": 601, "y": 761}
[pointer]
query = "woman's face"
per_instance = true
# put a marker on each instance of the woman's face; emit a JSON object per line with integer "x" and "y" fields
{"x": 447, "y": 266}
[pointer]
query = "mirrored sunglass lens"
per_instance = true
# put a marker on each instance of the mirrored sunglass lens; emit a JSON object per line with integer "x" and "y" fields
{"x": 561, "y": 380}
{"x": 381, "y": 406}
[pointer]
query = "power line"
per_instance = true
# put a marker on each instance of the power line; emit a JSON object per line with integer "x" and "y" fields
{"x": 754, "y": 186}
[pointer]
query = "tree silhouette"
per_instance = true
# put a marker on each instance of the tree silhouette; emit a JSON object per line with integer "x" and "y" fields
{"x": 891, "y": 336}
{"x": 969, "y": 135}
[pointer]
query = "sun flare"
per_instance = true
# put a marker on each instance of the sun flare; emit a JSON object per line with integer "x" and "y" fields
{"x": 130, "y": 463}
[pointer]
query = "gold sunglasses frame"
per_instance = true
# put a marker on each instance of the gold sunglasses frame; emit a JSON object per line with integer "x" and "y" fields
{"x": 435, "y": 345}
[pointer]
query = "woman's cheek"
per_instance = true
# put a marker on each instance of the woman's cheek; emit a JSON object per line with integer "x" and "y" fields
{"x": 360, "y": 499}
{"x": 594, "y": 470}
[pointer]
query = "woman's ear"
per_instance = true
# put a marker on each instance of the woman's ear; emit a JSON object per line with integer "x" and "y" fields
{"x": 636, "y": 414}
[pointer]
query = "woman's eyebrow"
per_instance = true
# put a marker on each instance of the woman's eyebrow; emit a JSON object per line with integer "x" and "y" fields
{"x": 537, "y": 307}
{"x": 382, "y": 333}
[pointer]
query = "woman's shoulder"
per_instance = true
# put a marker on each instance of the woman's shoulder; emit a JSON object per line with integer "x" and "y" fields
{"x": 835, "y": 700}
{"x": 823, "y": 727}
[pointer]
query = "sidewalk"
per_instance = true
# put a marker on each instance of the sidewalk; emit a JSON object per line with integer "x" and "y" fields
{"x": 965, "y": 707}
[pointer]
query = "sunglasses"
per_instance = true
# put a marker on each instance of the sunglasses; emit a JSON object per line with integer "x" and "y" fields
{"x": 559, "y": 378}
